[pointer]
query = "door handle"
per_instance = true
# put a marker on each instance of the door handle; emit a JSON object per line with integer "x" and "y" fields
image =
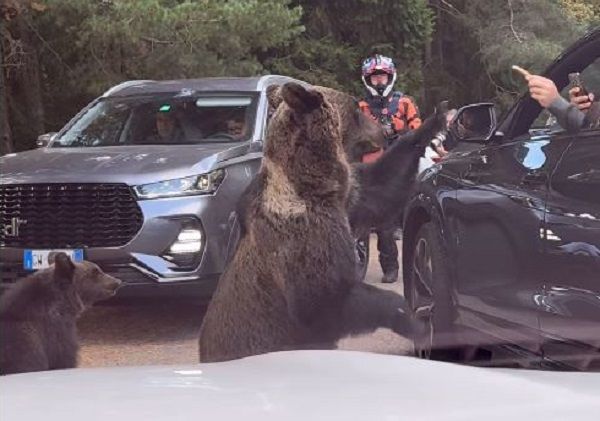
{"x": 535, "y": 178}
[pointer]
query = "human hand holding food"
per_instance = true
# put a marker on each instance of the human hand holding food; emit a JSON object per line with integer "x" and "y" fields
{"x": 542, "y": 89}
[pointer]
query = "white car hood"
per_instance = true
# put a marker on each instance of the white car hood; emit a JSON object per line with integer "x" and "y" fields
{"x": 301, "y": 385}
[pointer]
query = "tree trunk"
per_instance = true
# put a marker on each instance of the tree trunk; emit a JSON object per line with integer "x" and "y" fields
{"x": 23, "y": 87}
{"x": 432, "y": 62}
{"x": 6, "y": 144}
{"x": 28, "y": 80}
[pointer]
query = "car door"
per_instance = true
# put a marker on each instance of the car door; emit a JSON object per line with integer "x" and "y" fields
{"x": 499, "y": 214}
{"x": 570, "y": 315}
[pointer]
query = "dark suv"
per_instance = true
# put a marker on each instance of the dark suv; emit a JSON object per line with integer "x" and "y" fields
{"x": 502, "y": 239}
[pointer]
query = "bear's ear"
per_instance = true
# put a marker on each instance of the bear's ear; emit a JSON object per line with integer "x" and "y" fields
{"x": 274, "y": 97}
{"x": 300, "y": 99}
{"x": 63, "y": 269}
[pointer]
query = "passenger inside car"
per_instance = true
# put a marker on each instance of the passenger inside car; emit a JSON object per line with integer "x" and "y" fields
{"x": 580, "y": 112}
{"x": 236, "y": 127}
{"x": 227, "y": 122}
{"x": 168, "y": 129}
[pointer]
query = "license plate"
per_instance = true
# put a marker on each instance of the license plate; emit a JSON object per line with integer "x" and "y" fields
{"x": 38, "y": 259}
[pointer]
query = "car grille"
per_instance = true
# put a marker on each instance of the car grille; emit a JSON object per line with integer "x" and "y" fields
{"x": 11, "y": 272}
{"x": 68, "y": 215}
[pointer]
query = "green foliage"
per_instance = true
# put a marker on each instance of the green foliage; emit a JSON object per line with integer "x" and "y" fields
{"x": 91, "y": 45}
{"x": 318, "y": 61}
{"x": 444, "y": 49}
{"x": 534, "y": 34}
{"x": 585, "y": 12}
{"x": 493, "y": 35}
{"x": 341, "y": 33}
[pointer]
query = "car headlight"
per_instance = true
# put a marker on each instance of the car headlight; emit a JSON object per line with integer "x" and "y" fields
{"x": 188, "y": 186}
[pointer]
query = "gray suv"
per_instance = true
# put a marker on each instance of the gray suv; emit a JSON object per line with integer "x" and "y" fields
{"x": 143, "y": 181}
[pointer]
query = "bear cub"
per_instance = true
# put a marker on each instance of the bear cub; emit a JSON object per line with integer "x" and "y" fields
{"x": 38, "y": 315}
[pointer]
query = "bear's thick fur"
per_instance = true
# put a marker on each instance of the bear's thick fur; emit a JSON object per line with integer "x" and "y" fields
{"x": 292, "y": 282}
{"x": 38, "y": 315}
{"x": 382, "y": 188}
{"x": 360, "y": 134}
{"x": 378, "y": 190}
{"x": 296, "y": 255}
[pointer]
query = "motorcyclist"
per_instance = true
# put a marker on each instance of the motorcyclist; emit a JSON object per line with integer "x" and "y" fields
{"x": 397, "y": 113}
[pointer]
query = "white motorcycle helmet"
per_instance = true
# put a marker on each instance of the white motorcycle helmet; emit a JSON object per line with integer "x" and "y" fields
{"x": 379, "y": 64}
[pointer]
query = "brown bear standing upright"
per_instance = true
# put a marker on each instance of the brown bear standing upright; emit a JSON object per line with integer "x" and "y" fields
{"x": 38, "y": 315}
{"x": 292, "y": 282}
{"x": 296, "y": 258}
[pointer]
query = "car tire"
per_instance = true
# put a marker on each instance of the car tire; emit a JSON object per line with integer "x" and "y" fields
{"x": 362, "y": 256}
{"x": 428, "y": 293}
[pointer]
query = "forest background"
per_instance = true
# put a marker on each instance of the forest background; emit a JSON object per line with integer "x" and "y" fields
{"x": 57, "y": 55}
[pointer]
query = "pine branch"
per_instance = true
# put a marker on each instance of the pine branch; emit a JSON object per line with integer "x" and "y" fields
{"x": 512, "y": 21}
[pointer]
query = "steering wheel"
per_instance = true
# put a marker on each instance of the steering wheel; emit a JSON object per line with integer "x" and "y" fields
{"x": 222, "y": 135}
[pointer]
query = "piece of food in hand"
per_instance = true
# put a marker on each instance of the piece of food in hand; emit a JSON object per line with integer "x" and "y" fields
{"x": 521, "y": 71}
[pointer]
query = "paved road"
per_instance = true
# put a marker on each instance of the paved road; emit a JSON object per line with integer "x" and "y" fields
{"x": 150, "y": 331}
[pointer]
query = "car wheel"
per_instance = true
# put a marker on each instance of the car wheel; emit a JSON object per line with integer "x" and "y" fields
{"x": 362, "y": 256}
{"x": 428, "y": 294}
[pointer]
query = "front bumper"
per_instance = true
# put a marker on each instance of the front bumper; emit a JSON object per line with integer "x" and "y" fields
{"x": 142, "y": 260}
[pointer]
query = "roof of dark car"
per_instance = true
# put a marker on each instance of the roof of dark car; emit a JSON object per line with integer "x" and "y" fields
{"x": 237, "y": 84}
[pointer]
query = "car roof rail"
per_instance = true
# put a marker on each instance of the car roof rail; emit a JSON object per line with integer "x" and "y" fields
{"x": 124, "y": 85}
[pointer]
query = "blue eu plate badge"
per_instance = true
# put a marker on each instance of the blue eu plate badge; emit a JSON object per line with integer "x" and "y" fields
{"x": 39, "y": 259}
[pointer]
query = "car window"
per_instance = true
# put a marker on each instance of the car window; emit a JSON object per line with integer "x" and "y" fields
{"x": 591, "y": 80}
{"x": 103, "y": 123}
{"x": 163, "y": 120}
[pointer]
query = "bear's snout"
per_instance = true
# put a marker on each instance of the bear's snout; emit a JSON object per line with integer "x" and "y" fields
{"x": 112, "y": 284}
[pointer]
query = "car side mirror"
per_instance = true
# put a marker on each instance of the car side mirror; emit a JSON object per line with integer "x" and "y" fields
{"x": 44, "y": 139}
{"x": 475, "y": 123}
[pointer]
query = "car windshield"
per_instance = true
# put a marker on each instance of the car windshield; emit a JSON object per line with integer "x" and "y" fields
{"x": 170, "y": 120}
